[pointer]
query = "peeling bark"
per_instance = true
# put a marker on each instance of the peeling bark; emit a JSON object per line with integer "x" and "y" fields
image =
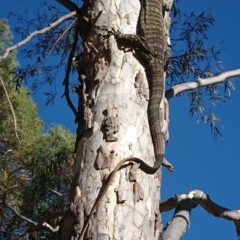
{"x": 114, "y": 126}
{"x": 113, "y": 91}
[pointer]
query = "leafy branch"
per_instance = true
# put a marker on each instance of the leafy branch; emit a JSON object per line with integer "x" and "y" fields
{"x": 201, "y": 108}
{"x": 35, "y": 33}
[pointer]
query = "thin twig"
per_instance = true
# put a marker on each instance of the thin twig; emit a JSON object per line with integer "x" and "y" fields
{"x": 35, "y": 33}
{"x": 59, "y": 38}
{"x": 66, "y": 79}
{"x": 12, "y": 109}
{"x": 42, "y": 223}
{"x": 52, "y": 229}
{"x": 21, "y": 216}
{"x": 51, "y": 49}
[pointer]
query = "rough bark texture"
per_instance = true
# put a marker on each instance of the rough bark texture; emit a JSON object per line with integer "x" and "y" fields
{"x": 113, "y": 119}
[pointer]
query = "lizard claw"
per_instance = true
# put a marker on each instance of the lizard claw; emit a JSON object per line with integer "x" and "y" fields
{"x": 167, "y": 164}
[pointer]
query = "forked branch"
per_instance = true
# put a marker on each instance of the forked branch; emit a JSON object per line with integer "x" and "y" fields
{"x": 184, "y": 203}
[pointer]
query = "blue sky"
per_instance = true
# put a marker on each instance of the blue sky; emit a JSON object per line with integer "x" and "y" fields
{"x": 200, "y": 162}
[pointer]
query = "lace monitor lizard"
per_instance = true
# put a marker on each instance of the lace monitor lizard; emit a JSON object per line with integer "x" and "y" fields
{"x": 152, "y": 30}
{"x": 151, "y": 43}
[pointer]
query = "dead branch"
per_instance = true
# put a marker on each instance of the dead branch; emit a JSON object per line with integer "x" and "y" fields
{"x": 42, "y": 223}
{"x": 35, "y": 33}
{"x": 201, "y": 198}
{"x": 201, "y": 82}
{"x": 48, "y": 226}
{"x": 55, "y": 192}
{"x": 20, "y": 215}
{"x": 12, "y": 110}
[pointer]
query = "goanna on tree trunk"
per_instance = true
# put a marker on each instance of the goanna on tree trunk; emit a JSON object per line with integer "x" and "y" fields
{"x": 115, "y": 92}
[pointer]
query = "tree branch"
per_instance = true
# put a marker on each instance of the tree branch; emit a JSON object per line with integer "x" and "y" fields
{"x": 68, "y": 70}
{"x": 35, "y": 33}
{"x": 181, "y": 220}
{"x": 42, "y": 223}
{"x": 200, "y": 83}
{"x": 12, "y": 109}
{"x": 201, "y": 198}
{"x": 55, "y": 43}
{"x": 21, "y": 216}
{"x": 48, "y": 226}
{"x": 71, "y": 6}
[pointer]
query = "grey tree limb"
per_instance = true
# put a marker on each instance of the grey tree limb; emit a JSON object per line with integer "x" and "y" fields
{"x": 200, "y": 82}
{"x": 183, "y": 203}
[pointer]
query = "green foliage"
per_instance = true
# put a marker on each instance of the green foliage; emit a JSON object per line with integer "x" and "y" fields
{"x": 35, "y": 184}
{"x": 192, "y": 59}
{"x": 35, "y": 169}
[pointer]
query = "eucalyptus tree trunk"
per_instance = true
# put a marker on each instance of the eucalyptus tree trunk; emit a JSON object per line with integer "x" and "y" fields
{"x": 113, "y": 125}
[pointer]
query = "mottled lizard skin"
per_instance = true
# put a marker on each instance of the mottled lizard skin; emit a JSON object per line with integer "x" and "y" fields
{"x": 152, "y": 30}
